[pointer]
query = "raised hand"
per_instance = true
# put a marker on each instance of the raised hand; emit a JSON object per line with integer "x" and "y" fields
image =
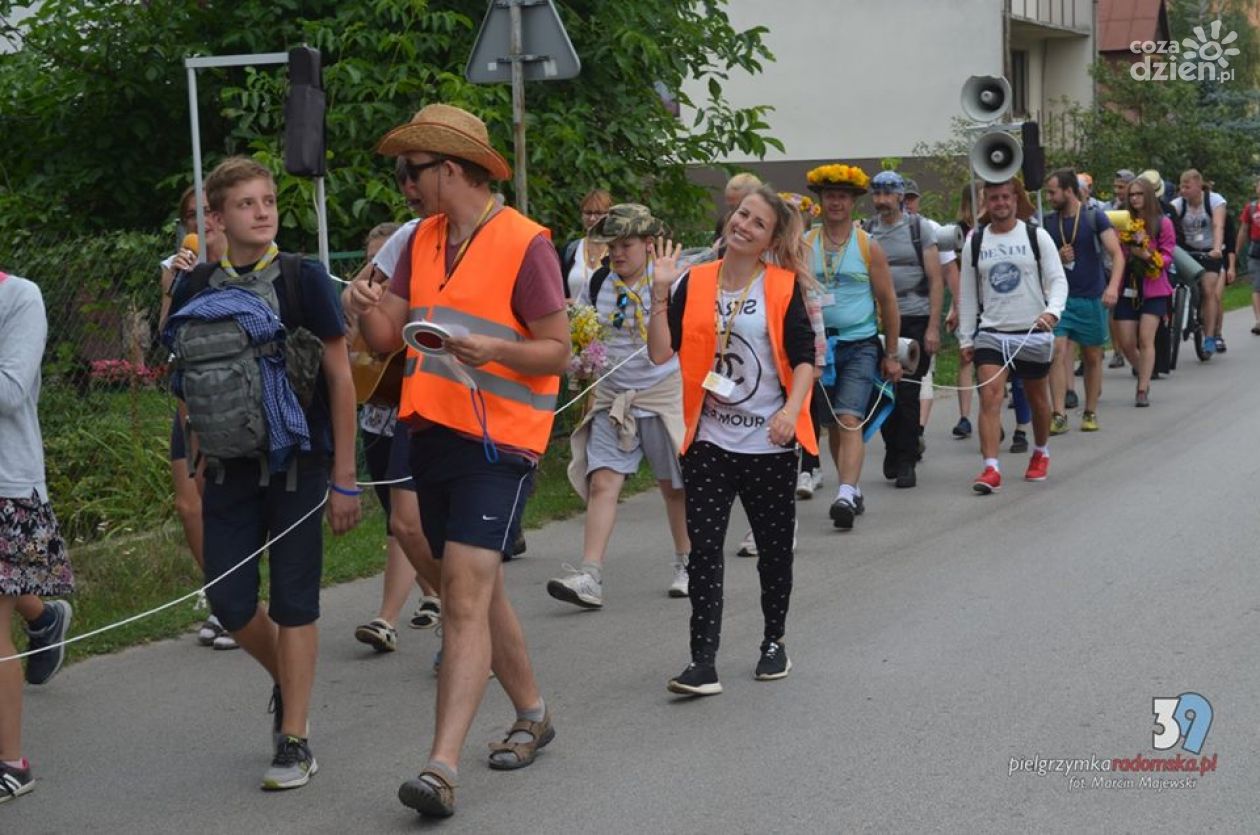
{"x": 665, "y": 270}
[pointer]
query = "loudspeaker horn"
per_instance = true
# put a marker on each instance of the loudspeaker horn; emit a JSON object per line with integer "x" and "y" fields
{"x": 996, "y": 157}
{"x": 985, "y": 97}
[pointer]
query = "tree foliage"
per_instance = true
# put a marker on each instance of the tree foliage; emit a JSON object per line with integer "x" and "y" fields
{"x": 95, "y": 105}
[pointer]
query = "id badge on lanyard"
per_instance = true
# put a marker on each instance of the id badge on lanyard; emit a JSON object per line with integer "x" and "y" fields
{"x": 724, "y": 387}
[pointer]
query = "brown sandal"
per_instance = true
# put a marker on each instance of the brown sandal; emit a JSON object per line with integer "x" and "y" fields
{"x": 523, "y": 752}
{"x": 429, "y": 794}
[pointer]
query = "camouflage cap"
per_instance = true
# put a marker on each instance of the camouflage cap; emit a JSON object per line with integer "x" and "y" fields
{"x": 626, "y": 220}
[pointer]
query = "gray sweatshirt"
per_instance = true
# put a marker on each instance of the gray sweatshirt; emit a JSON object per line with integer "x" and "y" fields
{"x": 23, "y": 331}
{"x": 1011, "y": 290}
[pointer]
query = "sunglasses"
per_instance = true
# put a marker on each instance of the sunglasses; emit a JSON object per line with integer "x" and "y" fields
{"x": 619, "y": 316}
{"x": 413, "y": 170}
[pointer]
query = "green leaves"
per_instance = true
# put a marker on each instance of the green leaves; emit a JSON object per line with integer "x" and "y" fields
{"x": 100, "y": 90}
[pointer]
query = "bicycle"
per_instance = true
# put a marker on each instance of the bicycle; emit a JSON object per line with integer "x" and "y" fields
{"x": 1185, "y": 319}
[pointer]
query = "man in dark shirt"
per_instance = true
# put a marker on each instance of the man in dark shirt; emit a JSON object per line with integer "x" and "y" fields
{"x": 241, "y": 515}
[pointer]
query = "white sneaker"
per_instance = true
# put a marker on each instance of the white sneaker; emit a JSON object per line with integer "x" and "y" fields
{"x": 817, "y": 478}
{"x": 578, "y": 588}
{"x": 225, "y": 641}
{"x": 804, "y": 485}
{"x": 748, "y": 547}
{"x": 678, "y": 588}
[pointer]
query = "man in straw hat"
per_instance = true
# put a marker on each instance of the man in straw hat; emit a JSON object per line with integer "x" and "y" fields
{"x": 485, "y": 283}
{"x": 637, "y": 411}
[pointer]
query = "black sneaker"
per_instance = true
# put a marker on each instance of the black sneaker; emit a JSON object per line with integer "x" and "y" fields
{"x": 696, "y": 680}
{"x": 1019, "y": 441}
{"x": 774, "y": 663}
{"x": 890, "y": 465}
{"x": 42, "y": 667}
{"x": 1070, "y": 400}
{"x": 842, "y": 513}
{"x": 15, "y": 782}
{"x": 962, "y": 429}
{"x": 1080, "y": 370}
{"x": 859, "y": 504}
{"x": 922, "y": 447}
{"x": 292, "y": 766}
{"x": 906, "y": 476}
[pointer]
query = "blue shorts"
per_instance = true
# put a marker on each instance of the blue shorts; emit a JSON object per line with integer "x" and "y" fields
{"x": 1084, "y": 321}
{"x": 239, "y": 516}
{"x": 463, "y": 497}
{"x": 856, "y": 364}
{"x": 386, "y": 458}
{"x": 178, "y": 453}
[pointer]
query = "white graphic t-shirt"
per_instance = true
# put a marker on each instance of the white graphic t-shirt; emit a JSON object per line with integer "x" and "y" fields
{"x": 1197, "y": 223}
{"x": 741, "y": 423}
{"x": 1011, "y": 291}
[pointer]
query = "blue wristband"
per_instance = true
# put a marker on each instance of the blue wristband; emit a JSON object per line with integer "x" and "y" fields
{"x": 343, "y": 491}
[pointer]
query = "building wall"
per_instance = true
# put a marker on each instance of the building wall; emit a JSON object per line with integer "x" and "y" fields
{"x": 857, "y": 79}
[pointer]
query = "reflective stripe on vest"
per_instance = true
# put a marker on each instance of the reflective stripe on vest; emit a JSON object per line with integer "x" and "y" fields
{"x": 478, "y": 296}
{"x": 699, "y": 344}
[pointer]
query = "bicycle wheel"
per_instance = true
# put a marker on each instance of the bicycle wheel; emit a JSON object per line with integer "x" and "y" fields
{"x": 1176, "y": 324}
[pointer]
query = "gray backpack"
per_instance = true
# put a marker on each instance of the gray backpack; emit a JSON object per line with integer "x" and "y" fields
{"x": 221, "y": 379}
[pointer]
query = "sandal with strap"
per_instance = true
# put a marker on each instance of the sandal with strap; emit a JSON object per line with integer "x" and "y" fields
{"x": 429, "y": 794}
{"x": 522, "y": 752}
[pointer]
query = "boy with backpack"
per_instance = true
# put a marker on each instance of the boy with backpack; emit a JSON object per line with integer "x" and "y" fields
{"x": 262, "y": 366}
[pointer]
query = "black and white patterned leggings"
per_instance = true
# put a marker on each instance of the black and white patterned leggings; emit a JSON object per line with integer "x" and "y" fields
{"x": 765, "y": 484}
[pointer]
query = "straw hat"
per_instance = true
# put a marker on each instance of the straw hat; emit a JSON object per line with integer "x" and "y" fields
{"x": 450, "y": 131}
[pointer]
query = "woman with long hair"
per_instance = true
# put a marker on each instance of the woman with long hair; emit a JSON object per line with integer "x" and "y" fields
{"x": 746, "y": 350}
{"x": 1142, "y": 301}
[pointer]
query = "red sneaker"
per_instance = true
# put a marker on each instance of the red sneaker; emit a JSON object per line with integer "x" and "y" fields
{"x": 1038, "y": 467}
{"x": 989, "y": 481}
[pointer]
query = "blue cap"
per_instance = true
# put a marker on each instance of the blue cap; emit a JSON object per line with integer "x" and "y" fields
{"x": 888, "y": 181}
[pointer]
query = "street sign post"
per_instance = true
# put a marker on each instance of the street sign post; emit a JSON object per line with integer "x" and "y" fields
{"x": 519, "y": 41}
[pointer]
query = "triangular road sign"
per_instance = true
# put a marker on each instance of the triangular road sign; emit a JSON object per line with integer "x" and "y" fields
{"x": 550, "y": 53}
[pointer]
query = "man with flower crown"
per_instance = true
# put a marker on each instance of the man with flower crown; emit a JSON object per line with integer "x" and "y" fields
{"x": 857, "y": 291}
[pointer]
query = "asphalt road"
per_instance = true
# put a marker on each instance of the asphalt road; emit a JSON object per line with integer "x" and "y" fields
{"x": 940, "y": 644}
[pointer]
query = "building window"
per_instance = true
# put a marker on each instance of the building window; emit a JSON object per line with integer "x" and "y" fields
{"x": 1019, "y": 83}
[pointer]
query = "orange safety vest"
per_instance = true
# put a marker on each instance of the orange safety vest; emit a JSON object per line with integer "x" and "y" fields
{"x": 478, "y": 296}
{"x": 698, "y": 349}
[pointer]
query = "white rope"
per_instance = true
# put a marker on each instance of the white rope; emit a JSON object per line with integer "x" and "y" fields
{"x": 1010, "y": 360}
{"x": 177, "y": 600}
{"x": 600, "y": 379}
{"x": 200, "y": 592}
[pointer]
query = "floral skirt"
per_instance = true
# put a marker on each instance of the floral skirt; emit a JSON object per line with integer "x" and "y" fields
{"x": 33, "y": 557}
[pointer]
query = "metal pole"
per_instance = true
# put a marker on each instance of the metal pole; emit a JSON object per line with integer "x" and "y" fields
{"x": 198, "y": 190}
{"x": 321, "y": 218}
{"x": 518, "y": 107}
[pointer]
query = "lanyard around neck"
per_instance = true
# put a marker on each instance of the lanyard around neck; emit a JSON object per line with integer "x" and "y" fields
{"x": 820, "y": 252}
{"x": 726, "y": 330}
{"x": 1080, "y": 210}
{"x": 463, "y": 248}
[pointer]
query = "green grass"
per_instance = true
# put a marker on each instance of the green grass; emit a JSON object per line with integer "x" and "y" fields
{"x": 131, "y": 573}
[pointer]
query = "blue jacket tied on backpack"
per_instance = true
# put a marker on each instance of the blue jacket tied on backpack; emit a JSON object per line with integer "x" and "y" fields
{"x": 229, "y": 347}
